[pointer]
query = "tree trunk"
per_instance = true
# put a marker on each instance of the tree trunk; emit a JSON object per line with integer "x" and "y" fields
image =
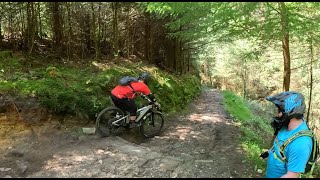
{"x": 105, "y": 34}
{"x": 87, "y": 33}
{"x": 1, "y": 37}
{"x": 57, "y": 29}
{"x": 1, "y": 29}
{"x": 94, "y": 28}
{"x": 115, "y": 29}
{"x": 128, "y": 31}
{"x": 35, "y": 19}
{"x": 147, "y": 38}
{"x": 69, "y": 53}
{"x": 285, "y": 46}
{"x": 188, "y": 61}
{"x": 170, "y": 54}
{"x": 174, "y": 57}
{"x": 29, "y": 18}
{"x": 245, "y": 82}
{"x": 98, "y": 37}
{"x": 23, "y": 33}
{"x": 40, "y": 23}
{"x": 311, "y": 80}
{"x": 27, "y": 34}
{"x": 33, "y": 28}
{"x": 10, "y": 27}
{"x": 181, "y": 57}
{"x": 177, "y": 56}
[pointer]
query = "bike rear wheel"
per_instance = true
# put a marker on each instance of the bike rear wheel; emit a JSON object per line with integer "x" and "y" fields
{"x": 152, "y": 125}
{"x": 106, "y": 117}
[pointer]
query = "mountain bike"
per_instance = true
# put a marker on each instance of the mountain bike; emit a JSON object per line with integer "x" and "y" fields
{"x": 149, "y": 119}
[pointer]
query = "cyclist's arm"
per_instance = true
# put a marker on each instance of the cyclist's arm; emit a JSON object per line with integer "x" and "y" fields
{"x": 143, "y": 88}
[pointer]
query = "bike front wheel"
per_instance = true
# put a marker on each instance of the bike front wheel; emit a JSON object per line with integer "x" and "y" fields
{"x": 106, "y": 117}
{"x": 152, "y": 125}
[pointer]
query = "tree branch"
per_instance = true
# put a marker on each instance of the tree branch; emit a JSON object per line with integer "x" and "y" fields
{"x": 273, "y": 8}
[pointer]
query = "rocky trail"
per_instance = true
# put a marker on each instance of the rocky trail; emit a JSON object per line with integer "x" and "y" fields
{"x": 204, "y": 142}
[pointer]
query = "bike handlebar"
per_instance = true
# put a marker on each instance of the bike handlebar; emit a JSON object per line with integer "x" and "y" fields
{"x": 150, "y": 101}
{"x": 146, "y": 97}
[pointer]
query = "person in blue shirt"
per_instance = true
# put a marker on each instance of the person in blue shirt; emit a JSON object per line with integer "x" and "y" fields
{"x": 289, "y": 120}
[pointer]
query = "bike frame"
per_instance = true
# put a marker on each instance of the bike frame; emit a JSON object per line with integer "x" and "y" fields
{"x": 142, "y": 111}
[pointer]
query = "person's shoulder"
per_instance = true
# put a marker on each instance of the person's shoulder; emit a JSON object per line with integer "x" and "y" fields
{"x": 302, "y": 142}
{"x": 140, "y": 83}
{"x": 304, "y": 126}
{"x": 135, "y": 83}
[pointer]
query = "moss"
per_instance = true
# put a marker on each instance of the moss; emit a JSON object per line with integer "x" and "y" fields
{"x": 67, "y": 89}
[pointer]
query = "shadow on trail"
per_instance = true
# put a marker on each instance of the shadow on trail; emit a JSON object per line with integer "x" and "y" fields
{"x": 201, "y": 143}
{"x": 205, "y": 136}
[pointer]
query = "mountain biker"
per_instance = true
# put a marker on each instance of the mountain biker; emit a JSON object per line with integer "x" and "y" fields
{"x": 289, "y": 120}
{"x": 123, "y": 96}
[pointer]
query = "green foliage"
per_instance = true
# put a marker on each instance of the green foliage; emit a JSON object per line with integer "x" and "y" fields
{"x": 202, "y": 23}
{"x": 161, "y": 8}
{"x": 8, "y": 65}
{"x": 189, "y": 21}
{"x": 5, "y": 55}
{"x": 256, "y": 131}
{"x": 237, "y": 107}
{"x": 178, "y": 91}
{"x": 253, "y": 153}
{"x": 72, "y": 90}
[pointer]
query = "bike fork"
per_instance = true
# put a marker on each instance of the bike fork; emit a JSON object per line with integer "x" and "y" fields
{"x": 151, "y": 119}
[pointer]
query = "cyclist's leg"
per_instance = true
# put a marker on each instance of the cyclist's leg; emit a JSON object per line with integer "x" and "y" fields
{"x": 131, "y": 107}
{"x": 117, "y": 102}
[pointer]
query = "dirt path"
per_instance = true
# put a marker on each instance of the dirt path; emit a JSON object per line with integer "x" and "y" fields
{"x": 201, "y": 143}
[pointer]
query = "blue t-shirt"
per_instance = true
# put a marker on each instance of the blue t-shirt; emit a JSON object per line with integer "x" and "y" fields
{"x": 297, "y": 153}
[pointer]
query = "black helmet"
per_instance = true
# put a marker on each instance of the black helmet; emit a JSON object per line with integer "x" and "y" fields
{"x": 145, "y": 77}
{"x": 290, "y": 103}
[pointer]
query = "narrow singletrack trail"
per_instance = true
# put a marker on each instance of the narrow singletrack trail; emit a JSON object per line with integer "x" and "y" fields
{"x": 204, "y": 142}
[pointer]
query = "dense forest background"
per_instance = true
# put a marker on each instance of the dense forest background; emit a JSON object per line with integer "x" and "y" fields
{"x": 85, "y": 30}
{"x": 254, "y": 49}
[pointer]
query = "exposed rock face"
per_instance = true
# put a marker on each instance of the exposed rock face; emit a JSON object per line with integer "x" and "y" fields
{"x": 28, "y": 109}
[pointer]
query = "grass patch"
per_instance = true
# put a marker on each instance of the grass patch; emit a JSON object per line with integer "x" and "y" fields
{"x": 237, "y": 107}
{"x": 256, "y": 130}
{"x": 86, "y": 89}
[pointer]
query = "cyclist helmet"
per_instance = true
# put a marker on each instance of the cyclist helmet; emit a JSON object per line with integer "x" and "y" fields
{"x": 145, "y": 77}
{"x": 290, "y": 103}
